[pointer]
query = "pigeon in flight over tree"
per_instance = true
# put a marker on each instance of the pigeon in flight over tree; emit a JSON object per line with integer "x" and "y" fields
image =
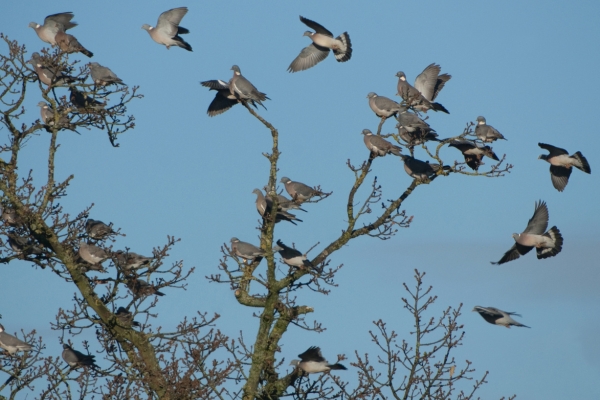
{"x": 498, "y": 317}
{"x": 561, "y": 164}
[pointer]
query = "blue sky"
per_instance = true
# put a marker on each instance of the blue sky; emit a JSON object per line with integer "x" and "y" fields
{"x": 529, "y": 68}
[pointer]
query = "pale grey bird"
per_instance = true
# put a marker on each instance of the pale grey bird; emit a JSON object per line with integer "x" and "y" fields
{"x": 318, "y": 50}
{"x": 412, "y": 122}
{"x": 10, "y": 217}
{"x": 69, "y": 44}
{"x": 243, "y": 90}
{"x": 547, "y": 244}
{"x": 47, "y": 115}
{"x": 103, "y": 76}
{"x": 378, "y": 146}
{"x": 12, "y": 344}
{"x": 311, "y": 361}
{"x": 417, "y": 136}
{"x": 264, "y": 205}
{"x": 283, "y": 202}
{"x": 23, "y": 244}
{"x": 125, "y": 318}
{"x": 223, "y": 100}
{"x": 128, "y": 260}
{"x": 140, "y": 287}
{"x": 167, "y": 29}
{"x": 83, "y": 102}
{"x": 428, "y": 85}
{"x": 498, "y": 317}
{"x": 473, "y": 152}
{"x": 382, "y": 106}
{"x": 46, "y": 75}
{"x": 291, "y": 256}
{"x": 486, "y": 133}
{"x": 246, "y": 251}
{"x": 420, "y": 170}
{"x": 299, "y": 191}
{"x": 97, "y": 229}
{"x": 77, "y": 359}
{"x": 561, "y": 164}
{"x": 52, "y": 25}
{"x": 92, "y": 254}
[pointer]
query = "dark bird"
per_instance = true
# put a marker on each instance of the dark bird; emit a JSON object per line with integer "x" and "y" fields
{"x": 473, "y": 152}
{"x": 77, "y": 359}
{"x": 561, "y": 164}
{"x": 498, "y": 317}
{"x": 223, "y": 100}
{"x": 291, "y": 256}
{"x": 420, "y": 170}
{"x": 311, "y": 361}
{"x": 98, "y": 230}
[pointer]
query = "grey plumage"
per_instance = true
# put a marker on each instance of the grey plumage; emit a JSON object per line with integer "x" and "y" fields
{"x": 92, "y": 254}
{"x": 128, "y": 260}
{"x": 246, "y": 251}
{"x": 496, "y": 316}
{"x": 283, "y": 203}
{"x": 291, "y": 256}
{"x": 428, "y": 85}
{"x": 23, "y": 244}
{"x": 125, "y": 318}
{"x": 167, "y": 29}
{"x": 46, "y": 75}
{"x": 378, "y": 146}
{"x": 311, "y": 361}
{"x": 12, "y": 344}
{"x": 223, "y": 100}
{"x": 103, "y": 76}
{"x": 53, "y": 24}
{"x": 69, "y": 44}
{"x": 547, "y": 244}
{"x": 264, "y": 205}
{"x": 141, "y": 288}
{"x": 318, "y": 50}
{"x": 10, "y": 217}
{"x": 299, "y": 191}
{"x": 420, "y": 170}
{"x": 243, "y": 90}
{"x": 77, "y": 359}
{"x": 486, "y": 133}
{"x": 561, "y": 164}
{"x": 473, "y": 152}
{"x": 47, "y": 115}
{"x": 412, "y": 129}
{"x": 382, "y": 106}
{"x": 98, "y": 230}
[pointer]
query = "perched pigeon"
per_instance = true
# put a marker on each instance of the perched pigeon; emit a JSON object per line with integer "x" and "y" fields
{"x": 498, "y": 317}
{"x": 299, "y": 191}
{"x": 291, "y": 256}
{"x": 378, "y": 146}
{"x": 23, "y": 244}
{"x": 420, "y": 170}
{"x": 246, "y": 251}
{"x": 417, "y": 136}
{"x": 486, "y": 133}
{"x": 318, "y": 50}
{"x": 130, "y": 260}
{"x": 311, "y": 361}
{"x": 10, "y": 217}
{"x": 77, "y": 359}
{"x": 547, "y": 244}
{"x": 12, "y": 344}
{"x": 561, "y": 164}
{"x": 125, "y": 318}
{"x": 69, "y": 44}
{"x": 140, "y": 287}
{"x": 97, "y": 229}
{"x": 283, "y": 202}
{"x": 103, "y": 76}
{"x": 167, "y": 29}
{"x": 46, "y": 75}
{"x": 83, "y": 102}
{"x": 92, "y": 254}
{"x": 223, "y": 100}
{"x": 264, "y": 205}
{"x": 382, "y": 106}
{"x": 243, "y": 90}
{"x": 53, "y": 24}
{"x": 412, "y": 122}
{"x": 473, "y": 152}
{"x": 428, "y": 85}
{"x": 47, "y": 115}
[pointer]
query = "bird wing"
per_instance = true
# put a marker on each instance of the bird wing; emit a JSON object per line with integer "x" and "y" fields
{"x": 215, "y": 84}
{"x": 510, "y": 255}
{"x": 560, "y": 176}
{"x": 310, "y": 56}
{"x": 312, "y": 354}
{"x": 427, "y": 80}
{"x": 539, "y": 222}
{"x": 315, "y": 26}
{"x": 554, "y": 151}
{"x": 168, "y": 21}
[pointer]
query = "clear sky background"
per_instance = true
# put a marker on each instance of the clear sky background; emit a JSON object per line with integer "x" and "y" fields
{"x": 529, "y": 67}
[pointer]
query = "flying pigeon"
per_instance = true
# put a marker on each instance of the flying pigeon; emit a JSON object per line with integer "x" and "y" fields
{"x": 46, "y": 75}
{"x": 299, "y": 191}
{"x": 103, "y": 76}
{"x": 318, "y": 50}
{"x": 428, "y": 85}
{"x": 140, "y": 287}
{"x": 69, "y": 44}
{"x": 473, "y": 152}
{"x": 223, "y": 100}
{"x": 97, "y": 229}
{"x": 243, "y": 90}
{"x": 420, "y": 170}
{"x": 498, "y": 317}
{"x": 125, "y": 318}
{"x": 378, "y": 146}
{"x": 291, "y": 256}
{"x": 246, "y": 251}
{"x": 53, "y": 24}
{"x": 382, "y": 106}
{"x": 12, "y": 344}
{"x": 547, "y": 244}
{"x": 77, "y": 359}
{"x": 311, "y": 361}
{"x": 486, "y": 133}
{"x": 167, "y": 29}
{"x": 561, "y": 164}
{"x": 92, "y": 254}
{"x": 264, "y": 205}
{"x": 128, "y": 260}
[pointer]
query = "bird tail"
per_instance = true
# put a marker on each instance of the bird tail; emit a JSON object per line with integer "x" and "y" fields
{"x": 585, "y": 167}
{"x": 182, "y": 43}
{"x": 395, "y": 150}
{"x": 439, "y": 107}
{"x": 337, "y": 366}
{"x": 86, "y": 52}
{"x": 344, "y": 54}
{"x": 554, "y": 235}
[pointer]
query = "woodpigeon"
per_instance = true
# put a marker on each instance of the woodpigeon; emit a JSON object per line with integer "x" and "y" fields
{"x": 103, "y": 76}
{"x": 46, "y": 75}
{"x": 128, "y": 260}
{"x": 23, "y": 244}
{"x": 47, "y": 115}
{"x": 69, "y": 44}
{"x": 246, "y": 251}
{"x": 264, "y": 205}
{"x": 223, "y": 100}
{"x": 561, "y": 164}
{"x": 416, "y": 136}
{"x": 52, "y": 25}
{"x": 243, "y": 90}
{"x": 284, "y": 203}
{"x": 498, "y": 317}
{"x": 97, "y": 229}
{"x": 291, "y": 256}
{"x": 125, "y": 318}
{"x": 486, "y": 133}
{"x": 311, "y": 361}
{"x": 428, "y": 85}
{"x": 140, "y": 287}
{"x": 412, "y": 122}
{"x": 318, "y": 50}
{"x": 420, "y": 170}
{"x": 378, "y": 146}
{"x": 92, "y": 254}
{"x": 299, "y": 191}
{"x": 77, "y": 359}
{"x": 12, "y": 344}
{"x": 83, "y": 102}
{"x": 473, "y": 152}
{"x": 167, "y": 29}
{"x": 10, "y": 217}
{"x": 547, "y": 244}
{"x": 382, "y": 106}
